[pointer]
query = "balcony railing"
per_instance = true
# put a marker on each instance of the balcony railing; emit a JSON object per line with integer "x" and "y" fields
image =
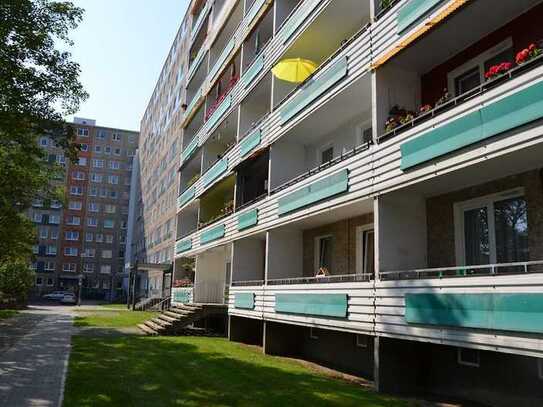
{"x": 223, "y": 95}
{"x": 464, "y": 97}
{"x": 248, "y": 283}
{"x": 342, "y": 278}
{"x": 465, "y": 271}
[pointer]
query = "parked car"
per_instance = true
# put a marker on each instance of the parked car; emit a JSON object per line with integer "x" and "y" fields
{"x": 69, "y": 298}
{"x": 55, "y": 295}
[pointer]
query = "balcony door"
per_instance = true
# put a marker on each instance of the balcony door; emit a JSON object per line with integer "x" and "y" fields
{"x": 492, "y": 229}
{"x": 365, "y": 250}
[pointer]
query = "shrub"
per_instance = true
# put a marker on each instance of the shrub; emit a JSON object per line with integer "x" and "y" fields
{"x": 16, "y": 279}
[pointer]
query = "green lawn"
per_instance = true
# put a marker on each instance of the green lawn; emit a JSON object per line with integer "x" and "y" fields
{"x": 198, "y": 371}
{"x": 7, "y": 313}
{"x": 111, "y": 318}
{"x": 115, "y": 306}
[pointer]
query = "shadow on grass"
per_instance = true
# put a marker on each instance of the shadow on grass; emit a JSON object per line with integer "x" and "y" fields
{"x": 173, "y": 371}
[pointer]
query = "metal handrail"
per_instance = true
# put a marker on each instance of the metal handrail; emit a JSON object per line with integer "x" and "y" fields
{"x": 463, "y": 271}
{"x": 324, "y": 279}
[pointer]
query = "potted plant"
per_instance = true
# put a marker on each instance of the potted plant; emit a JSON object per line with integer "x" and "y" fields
{"x": 498, "y": 70}
{"x": 528, "y": 53}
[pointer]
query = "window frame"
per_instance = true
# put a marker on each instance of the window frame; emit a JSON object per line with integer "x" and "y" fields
{"x": 316, "y": 259}
{"x": 487, "y": 201}
{"x": 468, "y": 363}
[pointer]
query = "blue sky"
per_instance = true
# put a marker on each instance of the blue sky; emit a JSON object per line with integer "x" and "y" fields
{"x": 121, "y": 46}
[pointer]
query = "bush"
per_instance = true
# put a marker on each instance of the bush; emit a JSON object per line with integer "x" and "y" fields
{"x": 16, "y": 279}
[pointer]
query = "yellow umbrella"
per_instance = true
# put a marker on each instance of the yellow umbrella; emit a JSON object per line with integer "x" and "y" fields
{"x": 294, "y": 70}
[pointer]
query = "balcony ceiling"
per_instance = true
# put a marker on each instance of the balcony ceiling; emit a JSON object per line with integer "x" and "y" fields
{"x": 466, "y": 27}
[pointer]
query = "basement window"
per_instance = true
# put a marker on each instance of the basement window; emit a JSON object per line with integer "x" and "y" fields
{"x": 362, "y": 341}
{"x": 313, "y": 333}
{"x": 469, "y": 357}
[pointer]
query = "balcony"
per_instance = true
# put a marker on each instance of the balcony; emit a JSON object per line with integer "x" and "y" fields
{"x": 255, "y": 107}
{"x": 417, "y": 89}
{"x": 216, "y": 203}
{"x": 252, "y": 179}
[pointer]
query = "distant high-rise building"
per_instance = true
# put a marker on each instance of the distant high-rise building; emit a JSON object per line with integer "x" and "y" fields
{"x": 86, "y": 236}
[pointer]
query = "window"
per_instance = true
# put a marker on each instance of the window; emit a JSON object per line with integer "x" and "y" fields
{"x": 35, "y": 249}
{"x": 96, "y": 177}
{"x": 61, "y": 159}
{"x": 362, "y": 341}
{"x": 114, "y": 165}
{"x": 365, "y": 250}
{"x": 69, "y": 267}
{"x": 88, "y": 268}
{"x": 37, "y": 203}
{"x": 98, "y": 149}
{"x": 82, "y": 161}
{"x": 468, "y": 357}
{"x": 70, "y": 251}
{"x": 492, "y": 229}
{"x": 34, "y": 265}
{"x": 96, "y": 163}
{"x": 39, "y": 281}
{"x": 99, "y": 238}
{"x": 71, "y": 235}
{"x": 109, "y": 239}
{"x": 54, "y": 234}
{"x": 105, "y": 284}
{"x": 103, "y": 193}
{"x": 109, "y": 223}
{"x": 326, "y": 154}
{"x": 113, "y": 194}
{"x": 313, "y": 333}
{"x": 54, "y": 219}
{"x": 105, "y": 269}
{"x": 88, "y": 252}
{"x": 37, "y": 217}
{"x": 56, "y": 205}
{"x": 50, "y": 282}
{"x": 84, "y": 147}
{"x": 117, "y": 151}
{"x": 123, "y": 224}
{"x": 94, "y": 207}
{"x": 471, "y": 74}
{"x": 44, "y": 141}
{"x": 83, "y": 132}
{"x": 75, "y": 205}
{"x": 107, "y": 150}
{"x": 78, "y": 175}
{"x": 113, "y": 179}
{"x": 51, "y": 251}
{"x": 106, "y": 254}
{"x": 50, "y": 266}
{"x": 75, "y": 190}
{"x": 89, "y": 237}
{"x": 93, "y": 222}
{"x": 73, "y": 220}
{"x": 93, "y": 191}
{"x": 44, "y": 232}
{"x": 110, "y": 208}
{"x": 101, "y": 135}
{"x": 116, "y": 137}
{"x": 323, "y": 253}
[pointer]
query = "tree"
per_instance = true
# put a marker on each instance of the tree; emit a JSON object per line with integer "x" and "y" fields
{"x": 16, "y": 279}
{"x": 39, "y": 86}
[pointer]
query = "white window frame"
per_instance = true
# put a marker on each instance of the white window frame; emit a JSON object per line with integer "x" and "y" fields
{"x": 466, "y": 363}
{"x": 479, "y": 61}
{"x": 361, "y": 258}
{"x": 360, "y": 128}
{"x": 362, "y": 344}
{"x": 317, "y": 251}
{"x": 488, "y": 201}
{"x": 322, "y": 149}
{"x": 312, "y": 334}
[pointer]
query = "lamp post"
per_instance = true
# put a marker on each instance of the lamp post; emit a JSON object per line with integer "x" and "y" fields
{"x": 80, "y": 285}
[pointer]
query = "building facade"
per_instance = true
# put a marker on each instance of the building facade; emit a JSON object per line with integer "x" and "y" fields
{"x": 86, "y": 236}
{"x": 382, "y": 217}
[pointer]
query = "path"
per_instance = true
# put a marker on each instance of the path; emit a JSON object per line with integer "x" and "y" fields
{"x": 34, "y": 350}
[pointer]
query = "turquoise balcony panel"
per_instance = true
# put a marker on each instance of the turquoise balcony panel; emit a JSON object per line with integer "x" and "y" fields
{"x": 414, "y": 11}
{"x": 217, "y": 114}
{"x": 515, "y": 110}
{"x": 248, "y": 219}
{"x": 250, "y": 142}
{"x": 212, "y": 234}
{"x": 182, "y": 295}
{"x": 326, "y": 305}
{"x": 214, "y": 172}
{"x": 519, "y": 312}
{"x": 183, "y": 246}
{"x": 313, "y": 89}
{"x": 325, "y": 188}
{"x": 194, "y": 102}
{"x": 222, "y": 58}
{"x": 244, "y": 300}
{"x": 189, "y": 150}
{"x": 253, "y": 11}
{"x": 186, "y": 196}
{"x": 200, "y": 20}
{"x": 295, "y": 20}
{"x": 253, "y": 71}
{"x": 196, "y": 63}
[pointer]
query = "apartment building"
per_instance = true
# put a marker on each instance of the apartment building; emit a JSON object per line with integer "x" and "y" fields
{"x": 86, "y": 236}
{"x": 384, "y": 215}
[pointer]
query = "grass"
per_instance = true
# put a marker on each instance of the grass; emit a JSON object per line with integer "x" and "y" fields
{"x": 7, "y": 313}
{"x": 115, "y": 307}
{"x": 111, "y": 318}
{"x": 199, "y": 371}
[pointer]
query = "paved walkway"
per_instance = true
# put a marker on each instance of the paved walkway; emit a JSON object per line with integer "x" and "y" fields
{"x": 34, "y": 350}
